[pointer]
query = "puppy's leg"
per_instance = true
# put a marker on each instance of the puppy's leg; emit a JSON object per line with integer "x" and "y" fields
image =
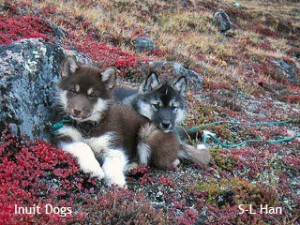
{"x": 114, "y": 159}
{"x": 144, "y": 153}
{"x": 102, "y": 143}
{"x": 85, "y": 156}
{"x": 199, "y": 155}
{"x": 143, "y": 149}
{"x": 114, "y": 167}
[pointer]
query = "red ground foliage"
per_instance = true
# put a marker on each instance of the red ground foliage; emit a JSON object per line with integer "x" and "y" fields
{"x": 38, "y": 174}
{"x": 19, "y": 27}
{"x": 105, "y": 54}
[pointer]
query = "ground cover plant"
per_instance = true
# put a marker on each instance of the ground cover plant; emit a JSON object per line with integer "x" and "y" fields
{"x": 250, "y": 74}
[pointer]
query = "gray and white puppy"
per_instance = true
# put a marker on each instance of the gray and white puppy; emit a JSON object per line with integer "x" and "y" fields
{"x": 164, "y": 104}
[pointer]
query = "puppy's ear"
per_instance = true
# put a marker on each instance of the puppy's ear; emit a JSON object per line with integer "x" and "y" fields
{"x": 180, "y": 85}
{"x": 69, "y": 67}
{"x": 109, "y": 77}
{"x": 150, "y": 83}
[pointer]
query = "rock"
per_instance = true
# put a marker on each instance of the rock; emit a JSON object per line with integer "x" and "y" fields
{"x": 222, "y": 21}
{"x": 288, "y": 71}
{"x": 144, "y": 44}
{"x": 285, "y": 26}
{"x": 159, "y": 196}
{"x": 225, "y": 197}
{"x": 28, "y": 85}
{"x": 58, "y": 32}
{"x": 185, "y": 3}
{"x": 173, "y": 70}
{"x": 237, "y": 4}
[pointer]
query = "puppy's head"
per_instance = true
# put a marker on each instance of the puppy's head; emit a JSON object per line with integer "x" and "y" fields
{"x": 85, "y": 90}
{"x": 162, "y": 102}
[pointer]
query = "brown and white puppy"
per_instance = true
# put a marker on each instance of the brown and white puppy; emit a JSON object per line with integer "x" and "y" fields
{"x": 100, "y": 131}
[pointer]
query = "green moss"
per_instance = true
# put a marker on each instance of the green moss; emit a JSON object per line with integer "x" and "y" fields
{"x": 221, "y": 161}
{"x": 242, "y": 192}
{"x": 200, "y": 113}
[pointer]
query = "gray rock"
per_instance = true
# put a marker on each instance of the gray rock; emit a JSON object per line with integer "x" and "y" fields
{"x": 288, "y": 71}
{"x": 237, "y": 4}
{"x": 222, "y": 21}
{"x": 144, "y": 44}
{"x": 28, "y": 85}
{"x": 29, "y": 76}
{"x": 160, "y": 196}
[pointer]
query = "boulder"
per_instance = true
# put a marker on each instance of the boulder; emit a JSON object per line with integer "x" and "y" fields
{"x": 288, "y": 71}
{"x": 285, "y": 26}
{"x": 29, "y": 76}
{"x": 28, "y": 85}
{"x": 222, "y": 21}
{"x": 144, "y": 44}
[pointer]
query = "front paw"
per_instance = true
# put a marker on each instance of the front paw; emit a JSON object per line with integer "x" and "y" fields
{"x": 176, "y": 162}
{"x": 130, "y": 167}
{"x": 86, "y": 158}
{"x": 93, "y": 168}
{"x": 116, "y": 180}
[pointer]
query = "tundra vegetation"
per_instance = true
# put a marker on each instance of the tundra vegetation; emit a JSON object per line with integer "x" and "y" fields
{"x": 250, "y": 73}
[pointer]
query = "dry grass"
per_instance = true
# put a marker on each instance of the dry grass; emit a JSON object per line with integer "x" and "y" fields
{"x": 185, "y": 33}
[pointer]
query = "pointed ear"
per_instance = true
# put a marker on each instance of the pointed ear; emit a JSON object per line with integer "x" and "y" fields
{"x": 150, "y": 83}
{"x": 69, "y": 67}
{"x": 180, "y": 85}
{"x": 109, "y": 77}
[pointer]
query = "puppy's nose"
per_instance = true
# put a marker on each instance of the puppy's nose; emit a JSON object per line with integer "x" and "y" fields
{"x": 166, "y": 124}
{"x": 76, "y": 112}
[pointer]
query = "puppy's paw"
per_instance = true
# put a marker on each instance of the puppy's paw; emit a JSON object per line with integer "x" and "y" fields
{"x": 205, "y": 153}
{"x": 130, "y": 167}
{"x": 201, "y": 147}
{"x": 86, "y": 158}
{"x": 116, "y": 181}
{"x": 176, "y": 162}
{"x": 114, "y": 164}
{"x": 94, "y": 170}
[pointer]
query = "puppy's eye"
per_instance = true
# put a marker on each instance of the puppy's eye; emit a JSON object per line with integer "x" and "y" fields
{"x": 92, "y": 96}
{"x": 174, "y": 108}
{"x": 155, "y": 105}
{"x": 73, "y": 91}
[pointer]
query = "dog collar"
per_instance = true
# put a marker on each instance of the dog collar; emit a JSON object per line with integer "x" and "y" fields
{"x": 60, "y": 124}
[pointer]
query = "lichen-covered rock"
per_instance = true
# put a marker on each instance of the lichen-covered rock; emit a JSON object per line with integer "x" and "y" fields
{"x": 288, "y": 71}
{"x": 285, "y": 26}
{"x": 222, "y": 21}
{"x": 143, "y": 44}
{"x": 29, "y": 76}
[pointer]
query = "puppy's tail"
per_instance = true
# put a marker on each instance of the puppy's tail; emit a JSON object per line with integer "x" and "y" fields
{"x": 200, "y": 155}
